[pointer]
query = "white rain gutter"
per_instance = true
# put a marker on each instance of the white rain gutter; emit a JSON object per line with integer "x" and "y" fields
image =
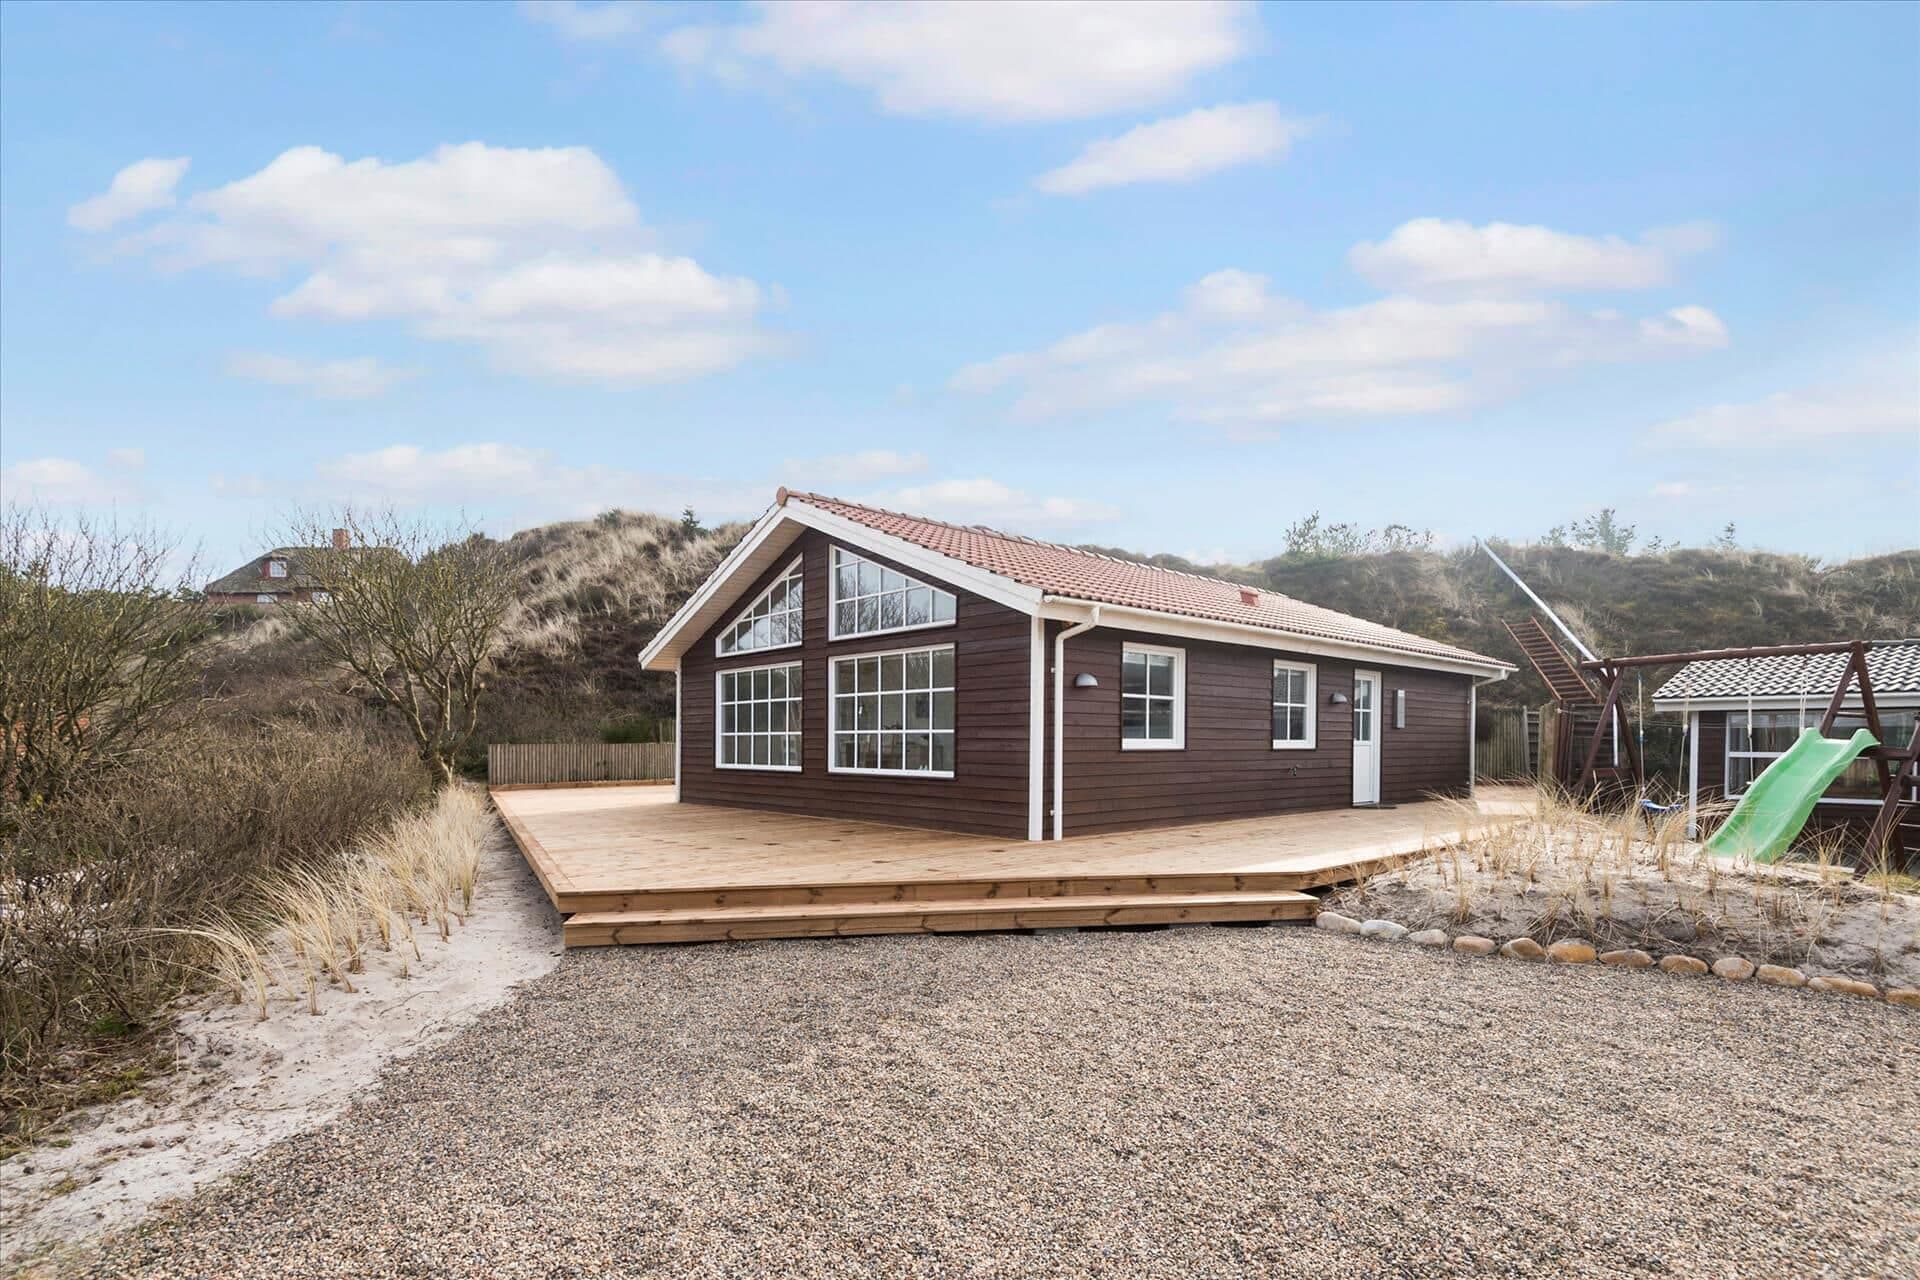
{"x": 1060, "y": 715}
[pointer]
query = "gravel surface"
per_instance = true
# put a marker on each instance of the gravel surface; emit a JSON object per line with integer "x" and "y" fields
{"x": 1194, "y": 1102}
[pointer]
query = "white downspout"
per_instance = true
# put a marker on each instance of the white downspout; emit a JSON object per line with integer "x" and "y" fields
{"x": 1693, "y": 776}
{"x": 1060, "y": 715}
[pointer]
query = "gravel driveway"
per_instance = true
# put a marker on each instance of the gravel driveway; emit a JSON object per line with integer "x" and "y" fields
{"x": 1194, "y": 1102}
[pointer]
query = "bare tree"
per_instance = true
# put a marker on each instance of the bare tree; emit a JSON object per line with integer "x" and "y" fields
{"x": 98, "y": 643}
{"x": 414, "y": 613}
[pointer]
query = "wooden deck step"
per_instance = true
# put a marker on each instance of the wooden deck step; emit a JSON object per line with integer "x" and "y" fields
{"x": 966, "y": 915}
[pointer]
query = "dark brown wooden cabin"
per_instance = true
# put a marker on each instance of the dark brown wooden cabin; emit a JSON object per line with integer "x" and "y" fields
{"x": 847, "y": 661}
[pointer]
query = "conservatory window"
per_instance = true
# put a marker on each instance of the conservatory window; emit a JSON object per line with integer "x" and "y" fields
{"x": 893, "y": 713}
{"x": 772, "y": 621}
{"x": 870, "y": 598}
{"x": 1755, "y": 740}
{"x": 759, "y": 718}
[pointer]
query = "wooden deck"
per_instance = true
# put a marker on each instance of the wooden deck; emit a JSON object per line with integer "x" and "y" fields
{"x": 628, "y": 864}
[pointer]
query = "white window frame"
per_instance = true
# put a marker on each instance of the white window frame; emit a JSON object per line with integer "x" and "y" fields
{"x": 1312, "y": 672}
{"x": 1808, "y": 719}
{"x": 320, "y": 596}
{"x": 796, "y": 568}
{"x": 276, "y": 567}
{"x": 833, "y": 713}
{"x": 266, "y": 597}
{"x": 1179, "y": 740}
{"x": 719, "y": 735}
{"x": 833, "y": 598}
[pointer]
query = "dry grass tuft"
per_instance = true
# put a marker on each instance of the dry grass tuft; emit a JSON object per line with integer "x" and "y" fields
{"x": 1623, "y": 879}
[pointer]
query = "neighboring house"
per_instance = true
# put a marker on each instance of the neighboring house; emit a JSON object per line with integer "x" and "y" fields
{"x": 850, "y": 662}
{"x": 278, "y": 577}
{"x": 1743, "y": 713}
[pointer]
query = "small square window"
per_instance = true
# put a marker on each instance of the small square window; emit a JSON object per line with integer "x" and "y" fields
{"x": 1152, "y": 697}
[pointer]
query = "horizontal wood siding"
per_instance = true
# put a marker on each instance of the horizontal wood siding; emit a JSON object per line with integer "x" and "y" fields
{"x": 988, "y": 792}
{"x": 1229, "y": 767}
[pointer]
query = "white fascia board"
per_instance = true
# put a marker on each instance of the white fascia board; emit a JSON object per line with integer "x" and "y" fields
{"x": 1815, "y": 701}
{"x": 1125, "y": 618}
{"x": 981, "y": 582}
{"x": 663, "y": 653}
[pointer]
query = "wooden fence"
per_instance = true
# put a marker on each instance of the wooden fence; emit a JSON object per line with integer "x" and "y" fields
{"x": 1508, "y": 744}
{"x": 535, "y": 763}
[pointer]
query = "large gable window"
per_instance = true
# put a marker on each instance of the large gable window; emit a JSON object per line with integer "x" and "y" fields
{"x": 869, "y": 598}
{"x": 893, "y": 713}
{"x": 1293, "y": 705}
{"x": 772, "y": 621}
{"x": 759, "y": 711}
{"x": 1153, "y": 695}
{"x": 1756, "y": 739}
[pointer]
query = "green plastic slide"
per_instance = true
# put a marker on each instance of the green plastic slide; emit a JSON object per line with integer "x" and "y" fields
{"x": 1781, "y": 799}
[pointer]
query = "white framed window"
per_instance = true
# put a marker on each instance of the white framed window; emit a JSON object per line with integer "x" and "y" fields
{"x": 276, "y": 568}
{"x": 1294, "y": 693}
{"x": 321, "y": 597}
{"x": 757, "y": 715}
{"x": 1755, "y": 742}
{"x": 772, "y": 621}
{"x": 893, "y": 713}
{"x": 1153, "y": 698}
{"x": 869, "y": 599}
{"x": 266, "y": 597}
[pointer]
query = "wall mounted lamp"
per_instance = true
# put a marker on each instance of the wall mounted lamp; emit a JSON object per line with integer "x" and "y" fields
{"x": 1086, "y": 680}
{"x": 1337, "y": 699}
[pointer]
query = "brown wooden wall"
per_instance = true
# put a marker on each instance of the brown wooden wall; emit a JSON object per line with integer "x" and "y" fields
{"x": 1228, "y": 767}
{"x": 988, "y": 793}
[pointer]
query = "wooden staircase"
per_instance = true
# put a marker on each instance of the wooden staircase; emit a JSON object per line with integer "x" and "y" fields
{"x": 1582, "y": 711}
{"x": 1563, "y": 679}
{"x": 956, "y": 915}
{"x": 690, "y": 915}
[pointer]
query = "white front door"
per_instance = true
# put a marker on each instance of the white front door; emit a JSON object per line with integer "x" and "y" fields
{"x": 1366, "y": 737}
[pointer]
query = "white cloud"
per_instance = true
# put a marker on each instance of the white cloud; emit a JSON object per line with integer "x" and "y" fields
{"x": 358, "y": 379}
{"x": 1672, "y": 489}
{"x": 1014, "y": 60}
{"x": 1882, "y": 398}
{"x": 1234, "y": 353}
{"x": 1436, "y": 254}
{"x": 981, "y": 500}
{"x": 65, "y": 480}
{"x": 494, "y": 479}
{"x": 1178, "y": 149}
{"x": 859, "y": 468}
{"x": 127, "y": 459}
{"x": 588, "y": 22}
{"x": 537, "y": 256}
{"x": 141, "y": 187}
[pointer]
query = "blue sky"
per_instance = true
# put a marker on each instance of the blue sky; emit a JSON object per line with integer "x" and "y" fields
{"x": 1160, "y": 277}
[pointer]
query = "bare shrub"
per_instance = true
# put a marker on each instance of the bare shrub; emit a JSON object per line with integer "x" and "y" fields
{"x": 100, "y": 894}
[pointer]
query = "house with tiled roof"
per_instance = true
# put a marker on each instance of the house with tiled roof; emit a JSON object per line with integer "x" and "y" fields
{"x": 277, "y": 577}
{"x": 1742, "y": 714}
{"x": 850, "y": 661}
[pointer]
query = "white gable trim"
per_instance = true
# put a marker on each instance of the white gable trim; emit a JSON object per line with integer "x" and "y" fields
{"x": 663, "y": 653}
{"x": 959, "y": 573}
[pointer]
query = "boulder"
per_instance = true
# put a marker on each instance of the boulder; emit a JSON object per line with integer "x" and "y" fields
{"x": 1907, "y": 996}
{"x": 1844, "y": 986}
{"x": 1682, "y": 964}
{"x": 1429, "y": 938}
{"x": 1571, "y": 951}
{"x": 1468, "y": 944}
{"x": 1627, "y": 958}
{"x": 1334, "y": 922}
{"x": 1733, "y": 968}
{"x": 1523, "y": 949}
{"x": 1385, "y": 930}
{"x": 1780, "y": 975}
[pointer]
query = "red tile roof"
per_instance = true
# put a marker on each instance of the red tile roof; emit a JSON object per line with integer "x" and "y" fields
{"x": 1103, "y": 579}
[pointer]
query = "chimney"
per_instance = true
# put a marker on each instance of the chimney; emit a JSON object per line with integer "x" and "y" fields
{"x": 339, "y": 539}
{"x": 1249, "y": 596}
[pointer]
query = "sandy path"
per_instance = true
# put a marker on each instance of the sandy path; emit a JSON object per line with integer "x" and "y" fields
{"x": 247, "y": 1084}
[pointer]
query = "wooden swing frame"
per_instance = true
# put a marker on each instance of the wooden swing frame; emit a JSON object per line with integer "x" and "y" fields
{"x": 1898, "y": 767}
